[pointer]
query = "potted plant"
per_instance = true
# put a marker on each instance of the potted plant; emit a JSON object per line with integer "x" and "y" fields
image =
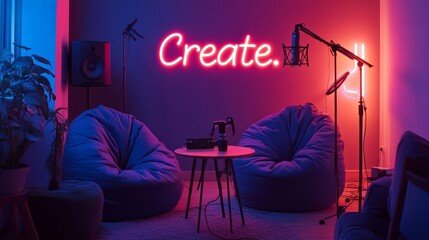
{"x": 25, "y": 93}
{"x": 52, "y": 162}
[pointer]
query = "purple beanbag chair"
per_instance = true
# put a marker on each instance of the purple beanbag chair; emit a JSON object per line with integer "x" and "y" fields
{"x": 139, "y": 176}
{"x": 292, "y": 169}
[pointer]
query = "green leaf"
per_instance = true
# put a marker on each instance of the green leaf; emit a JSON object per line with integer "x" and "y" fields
{"x": 39, "y": 102}
{"x": 47, "y": 86}
{"x": 41, "y": 70}
{"x": 23, "y": 65}
{"x": 22, "y": 46}
{"x": 35, "y": 99}
{"x": 44, "y": 81}
{"x": 42, "y": 59}
{"x": 29, "y": 86}
{"x": 23, "y": 61}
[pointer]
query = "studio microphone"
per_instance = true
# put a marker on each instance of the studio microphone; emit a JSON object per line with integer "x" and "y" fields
{"x": 131, "y": 32}
{"x": 295, "y": 55}
{"x": 130, "y": 26}
{"x": 295, "y": 47}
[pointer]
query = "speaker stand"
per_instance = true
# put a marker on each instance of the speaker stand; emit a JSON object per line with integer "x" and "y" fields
{"x": 88, "y": 97}
{"x": 124, "y": 74}
{"x": 127, "y": 33}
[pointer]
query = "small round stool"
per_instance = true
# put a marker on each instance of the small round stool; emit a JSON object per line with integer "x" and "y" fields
{"x": 18, "y": 203}
{"x": 72, "y": 212}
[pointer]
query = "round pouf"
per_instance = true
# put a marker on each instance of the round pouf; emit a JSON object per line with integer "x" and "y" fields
{"x": 293, "y": 167}
{"x": 139, "y": 176}
{"x": 72, "y": 212}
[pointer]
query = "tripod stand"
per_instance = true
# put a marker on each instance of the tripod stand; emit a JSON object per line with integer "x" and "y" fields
{"x": 128, "y": 32}
{"x": 333, "y": 89}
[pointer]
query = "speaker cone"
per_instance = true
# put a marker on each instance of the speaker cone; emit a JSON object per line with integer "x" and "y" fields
{"x": 92, "y": 67}
{"x": 90, "y": 63}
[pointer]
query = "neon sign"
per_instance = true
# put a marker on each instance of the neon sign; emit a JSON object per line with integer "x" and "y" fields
{"x": 354, "y": 94}
{"x": 245, "y": 54}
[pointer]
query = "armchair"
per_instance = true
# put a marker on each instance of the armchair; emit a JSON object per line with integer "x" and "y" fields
{"x": 383, "y": 211}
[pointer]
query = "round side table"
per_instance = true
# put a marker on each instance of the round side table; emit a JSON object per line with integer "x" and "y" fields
{"x": 204, "y": 155}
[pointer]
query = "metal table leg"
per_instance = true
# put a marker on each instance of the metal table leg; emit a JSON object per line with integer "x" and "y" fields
{"x": 237, "y": 192}
{"x": 229, "y": 195}
{"x": 203, "y": 167}
{"x": 191, "y": 185}
{"x": 219, "y": 185}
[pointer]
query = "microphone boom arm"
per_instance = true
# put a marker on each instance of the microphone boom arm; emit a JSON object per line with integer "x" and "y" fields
{"x": 334, "y": 46}
{"x": 312, "y": 34}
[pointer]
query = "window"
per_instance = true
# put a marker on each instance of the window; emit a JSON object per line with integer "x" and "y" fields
{"x": 10, "y": 25}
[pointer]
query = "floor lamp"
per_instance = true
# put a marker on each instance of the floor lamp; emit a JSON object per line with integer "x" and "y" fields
{"x": 296, "y": 55}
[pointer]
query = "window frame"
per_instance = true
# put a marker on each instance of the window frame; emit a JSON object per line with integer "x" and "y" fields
{"x": 10, "y": 25}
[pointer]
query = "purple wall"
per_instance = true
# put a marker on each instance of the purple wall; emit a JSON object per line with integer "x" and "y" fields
{"x": 404, "y": 78}
{"x": 177, "y": 103}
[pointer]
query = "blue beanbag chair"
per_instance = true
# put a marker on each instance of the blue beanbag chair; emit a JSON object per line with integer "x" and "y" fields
{"x": 292, "y": 169}
{"x": 139, "y": 176}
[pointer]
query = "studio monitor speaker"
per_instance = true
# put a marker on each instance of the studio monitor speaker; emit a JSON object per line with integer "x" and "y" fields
{"x": 90, "y": 64}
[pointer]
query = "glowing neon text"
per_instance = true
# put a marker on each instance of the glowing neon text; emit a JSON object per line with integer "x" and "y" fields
{"x": 209, "y": 55}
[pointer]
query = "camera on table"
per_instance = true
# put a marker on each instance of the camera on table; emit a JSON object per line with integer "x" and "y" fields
{"x": 221, "y": 141}
{"x": 200, "y": 143}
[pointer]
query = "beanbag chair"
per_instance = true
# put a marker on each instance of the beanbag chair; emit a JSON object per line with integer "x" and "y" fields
{"x": 293, "y": 167}
{"x": 139, "y": 176}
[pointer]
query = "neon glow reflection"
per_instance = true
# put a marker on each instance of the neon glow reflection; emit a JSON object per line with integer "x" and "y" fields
{"x": 350, "y": 93}
{"x": 208, "y": 55}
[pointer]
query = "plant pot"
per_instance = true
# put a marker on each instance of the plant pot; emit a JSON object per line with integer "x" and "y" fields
{"x": 13, "y": 179}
